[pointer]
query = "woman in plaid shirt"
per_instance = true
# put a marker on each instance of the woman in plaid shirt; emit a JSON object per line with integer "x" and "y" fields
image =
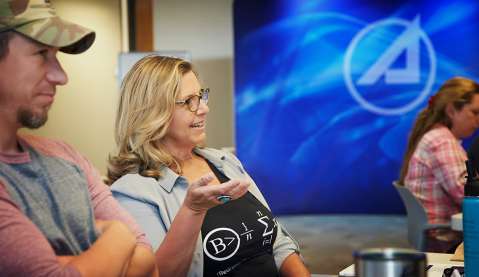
{"x": 434, "y": 164}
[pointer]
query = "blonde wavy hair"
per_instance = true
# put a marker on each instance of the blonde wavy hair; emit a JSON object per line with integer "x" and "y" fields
{"x": 147, "y": 101}
{"x": 457, "y": 91}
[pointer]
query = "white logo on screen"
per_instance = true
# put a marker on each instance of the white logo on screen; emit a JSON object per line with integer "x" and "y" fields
{"x": 409, "y": 42}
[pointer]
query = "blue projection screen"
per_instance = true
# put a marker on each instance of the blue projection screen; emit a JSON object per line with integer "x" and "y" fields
{"x": 326, "y": 93}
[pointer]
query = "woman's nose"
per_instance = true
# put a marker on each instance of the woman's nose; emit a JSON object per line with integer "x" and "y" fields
{"x": 203, "y": 108}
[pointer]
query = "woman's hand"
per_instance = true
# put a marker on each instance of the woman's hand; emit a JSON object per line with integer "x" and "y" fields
{"x": 201, "y": 196}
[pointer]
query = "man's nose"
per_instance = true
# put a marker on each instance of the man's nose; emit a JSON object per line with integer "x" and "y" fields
{"x": 55, "y": 73}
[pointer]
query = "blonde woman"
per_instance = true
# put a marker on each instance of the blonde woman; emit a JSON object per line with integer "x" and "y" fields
{"x": 199, "y": 208}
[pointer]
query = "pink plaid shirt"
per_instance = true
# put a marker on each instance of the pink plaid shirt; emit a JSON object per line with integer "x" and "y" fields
{"x": 436, "y": 174}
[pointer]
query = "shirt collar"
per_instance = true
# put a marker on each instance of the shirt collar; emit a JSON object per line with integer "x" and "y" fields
{"x": 215, "y": 158}
{"x": 20, "y": 157}
{"x": 169, "y": 178}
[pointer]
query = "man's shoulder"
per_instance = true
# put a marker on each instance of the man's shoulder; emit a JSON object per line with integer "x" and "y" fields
{"x": 39, "y": 142}
{"x": 52, "y": 147}
{"x": 47, "y": 145}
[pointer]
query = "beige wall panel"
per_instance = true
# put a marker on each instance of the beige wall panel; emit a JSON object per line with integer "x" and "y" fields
{"x": 204, "y": 28}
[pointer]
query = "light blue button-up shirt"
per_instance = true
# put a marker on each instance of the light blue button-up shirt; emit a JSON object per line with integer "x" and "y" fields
{"x": 154, "y": 204}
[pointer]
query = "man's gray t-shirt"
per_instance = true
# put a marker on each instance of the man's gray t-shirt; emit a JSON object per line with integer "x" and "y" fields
{"x": 50, "y": 197}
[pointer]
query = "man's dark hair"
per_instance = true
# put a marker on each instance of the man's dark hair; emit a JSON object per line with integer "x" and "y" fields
{"x": 4, "y": 39}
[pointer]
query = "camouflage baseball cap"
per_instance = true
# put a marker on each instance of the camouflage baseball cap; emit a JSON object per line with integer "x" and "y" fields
{"x": 37, "y": 20}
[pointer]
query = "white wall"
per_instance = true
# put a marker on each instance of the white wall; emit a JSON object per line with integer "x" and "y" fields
{"x": 205, "y": 28}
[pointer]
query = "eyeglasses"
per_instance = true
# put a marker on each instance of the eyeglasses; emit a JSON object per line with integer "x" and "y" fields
{"x": 193, "y": 101}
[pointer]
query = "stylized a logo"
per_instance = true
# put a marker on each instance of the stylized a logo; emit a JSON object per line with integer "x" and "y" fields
{"x": 408, "y": 41}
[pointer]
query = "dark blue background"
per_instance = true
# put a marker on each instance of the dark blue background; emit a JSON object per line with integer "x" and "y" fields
{"x": 301, "y": 135}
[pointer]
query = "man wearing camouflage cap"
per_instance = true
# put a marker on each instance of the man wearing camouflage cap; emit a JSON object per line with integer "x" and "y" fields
{"x": 56, "y": 216}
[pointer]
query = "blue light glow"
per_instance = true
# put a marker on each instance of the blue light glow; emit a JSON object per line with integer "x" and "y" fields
{"x": 307, "y": 142}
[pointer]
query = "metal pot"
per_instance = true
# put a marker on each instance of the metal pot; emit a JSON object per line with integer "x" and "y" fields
{"x": 389, "y": 262}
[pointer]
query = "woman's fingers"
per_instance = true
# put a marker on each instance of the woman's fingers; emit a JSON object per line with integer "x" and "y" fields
{"x": 233, "y": 189}
{"x": 203, "y": 181}
{"x": 225, "y": 188}
{"x": 212, "y": 191}
{"x": 239, "y": 190}
{"x": 201, "y": 196}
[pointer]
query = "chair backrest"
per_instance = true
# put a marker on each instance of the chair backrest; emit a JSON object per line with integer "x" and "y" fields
{"x": 416, "y": 217}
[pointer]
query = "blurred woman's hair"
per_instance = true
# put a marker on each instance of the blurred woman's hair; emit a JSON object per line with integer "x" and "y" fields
{"x": 457, "y": 91}
{"x": 147, "y": 102}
